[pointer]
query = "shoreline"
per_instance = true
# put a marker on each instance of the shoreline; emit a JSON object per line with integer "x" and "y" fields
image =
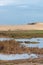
{"x": 38, "y": 61}
{"x": 36, "y": 26}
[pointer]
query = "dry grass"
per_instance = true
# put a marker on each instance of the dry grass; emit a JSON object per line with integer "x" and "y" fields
{"x": 23, "y": 62}
{"x": 12, "y": 47}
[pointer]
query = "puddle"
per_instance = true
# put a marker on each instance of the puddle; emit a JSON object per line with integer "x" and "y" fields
{"x": 4, "y": 39}
{"x": 39, "y": 40}
{"x": 39, "y": 44}
{"x": 17, "y": 56}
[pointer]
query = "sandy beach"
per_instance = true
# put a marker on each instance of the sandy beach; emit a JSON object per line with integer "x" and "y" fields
{"x": 29, "y": 64}
{"x": 37, "y": 26}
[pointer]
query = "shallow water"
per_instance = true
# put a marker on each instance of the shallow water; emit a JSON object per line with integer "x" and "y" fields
{"x": 4, "y": 39}
{"x": 39, "y": 44}
{"x": 17, "y": 56}
{"x": 23, "y": 56}
{"x": 39, "y": 40}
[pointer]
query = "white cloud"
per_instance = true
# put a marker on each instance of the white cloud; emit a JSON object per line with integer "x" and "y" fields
{"x": 6, "y": 2}
{"x": 20, "y": 2}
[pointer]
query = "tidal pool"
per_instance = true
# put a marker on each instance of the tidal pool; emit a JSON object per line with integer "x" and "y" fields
{"x": 4, "y": 39}
{"x": 39, "y": 40}
{"x": 17, "y": 56}
{"x": 39, "y": 44}
{"x": 23, "y": 56}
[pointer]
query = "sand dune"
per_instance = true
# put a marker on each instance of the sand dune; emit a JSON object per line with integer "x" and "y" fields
{"x": 37, "y": 26}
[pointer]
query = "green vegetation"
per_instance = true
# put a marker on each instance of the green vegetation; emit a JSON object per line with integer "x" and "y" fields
{"x": 28, "y": 42}
{"x": 22, "y": 34}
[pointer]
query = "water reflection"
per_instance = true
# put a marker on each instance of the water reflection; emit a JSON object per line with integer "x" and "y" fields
{"x": 39, "y": 44}
{"x": 4, "y": 39}
{"x": 39, "y": 40}
{"x": 17, "y": 56}
{"x": 23, "y": 56}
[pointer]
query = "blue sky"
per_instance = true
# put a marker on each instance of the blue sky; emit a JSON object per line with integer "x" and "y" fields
{"x": 21, "y": 11}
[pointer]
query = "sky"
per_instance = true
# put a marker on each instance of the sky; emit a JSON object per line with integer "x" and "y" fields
{"x": 14, "y": 12}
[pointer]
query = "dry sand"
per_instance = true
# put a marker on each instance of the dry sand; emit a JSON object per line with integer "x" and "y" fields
{"x": 37, "y": 26}
{"x": 29, "y": 64}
